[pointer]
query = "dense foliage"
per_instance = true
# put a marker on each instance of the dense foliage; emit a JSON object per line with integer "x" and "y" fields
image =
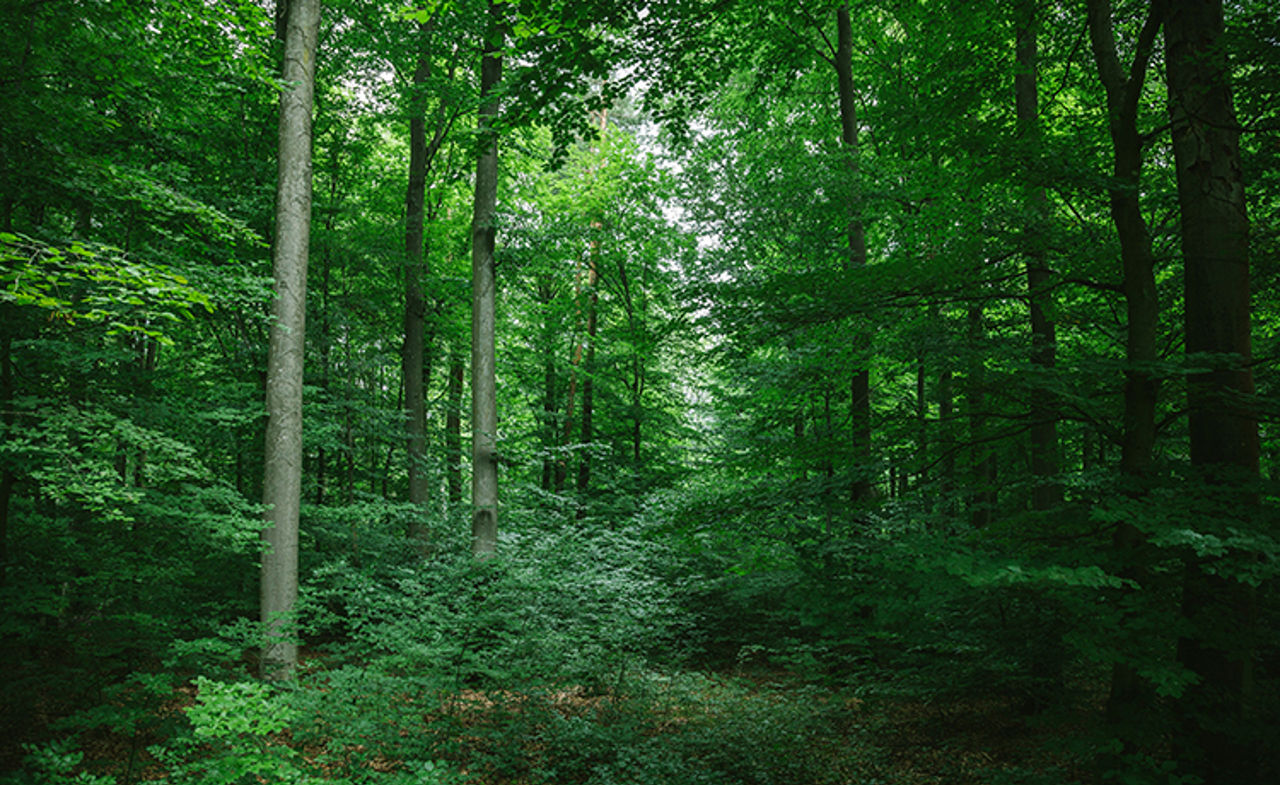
{"x": 861, "y": 416}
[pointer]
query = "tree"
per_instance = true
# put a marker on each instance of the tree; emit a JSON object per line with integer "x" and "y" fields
{"x": 416, "y": 350}
{"x": 1046, "y": 492}
{"x": 1130, "y": 697}
{"x": 860, "y": 380}
{"x": 1214, "y": 740}
{"x": 282, "y": 464}
{"x": 484, "y": 394}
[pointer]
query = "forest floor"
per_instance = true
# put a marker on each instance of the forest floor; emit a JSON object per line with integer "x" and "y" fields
{"x": 891, "y": 740}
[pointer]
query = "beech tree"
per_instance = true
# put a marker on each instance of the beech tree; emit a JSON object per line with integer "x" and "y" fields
{"x": 484, "y": 394}
{"x": 282, "y": 465}
{"x": 1214, "y": 741}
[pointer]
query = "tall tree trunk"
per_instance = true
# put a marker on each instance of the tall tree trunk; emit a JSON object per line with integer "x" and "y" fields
{"x": 982, "y": 494}
{"x": 860, "y": 382}
{"x": 415, "y": 309}
{"x": 549, "y": 430}
{"x": 326, "y": 345}
{"x": 1046, "y": 492}
{"x": 484, "y": 398}
{"x": 946, "y": 412}
{"x": 1214, "y": 740}
{"x": 588, "y": 383}
{"x": 575, "y": 366}
{"x": 636, "y": 340}
{"x": 282, "y": 463}
{"x": 922, "y": 419}
{"x": 1129, "y": 702}
{"x": 7, "y": 478}
{"x": 453, "y": 426}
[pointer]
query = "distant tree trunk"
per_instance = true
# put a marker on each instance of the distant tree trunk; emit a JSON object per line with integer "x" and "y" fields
{"x": 550, "y": 433}
{"x": 1214, "y": 740}
{"x": 484, "y": 399}
{"x": 282, "y": 464}
{"x": 84, "y": 219}
{"x": 588, "y": 383}
{"x": 326, "y": 266}
{"x": 453, "y": 427}
{"x": 575, "y": 366}
{"x": 415, "y": 310}
{"x": 1129, "y": 703}
{"x": 634, "y": 328}
{"x": 946, "y": 413}
{"x": 1046, "y": 492}
{"x": 922, "y": 419}
{"x": 7, "y": 478}
{"x": 982, "y": 494}
{"x": 860, "y": 382}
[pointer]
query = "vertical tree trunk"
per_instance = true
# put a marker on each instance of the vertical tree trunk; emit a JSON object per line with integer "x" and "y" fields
{"x": 588, "y": 383}
{"x": 484, "y": 400}
{"x": 635, "y": 328}
{"x": 1046, "y": 492}
{"x": 415, "y": 309}
{"x": 1129, "y": 702}
{"x": 7, "y": 478}
{"x": 549, "y": 430}
{"x": 860, "y": 382}
{"x": 1214, "y": 740}
{"x": 326, "y": 267}
{"x": 453, "y": 426}
{"x": 282, "y": 464}
{"x": 982, "y": 494}
{"x": 575, "y": 365}
{"x": 922, "y": 419}
{"x": 946, "y": 413}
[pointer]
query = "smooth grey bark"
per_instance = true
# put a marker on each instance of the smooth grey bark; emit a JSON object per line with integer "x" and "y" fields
{"x": 484, "y": 398}
{"x": 282, "y": 460}
{"x": 860, "y": 381}
{"x": 1214, "y": 739}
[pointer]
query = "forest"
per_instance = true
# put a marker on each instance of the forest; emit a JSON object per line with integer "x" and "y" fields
{"x": 632, "y": 392}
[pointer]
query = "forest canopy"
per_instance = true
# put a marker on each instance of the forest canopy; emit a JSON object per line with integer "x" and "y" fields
{"x": 639, "y": 391}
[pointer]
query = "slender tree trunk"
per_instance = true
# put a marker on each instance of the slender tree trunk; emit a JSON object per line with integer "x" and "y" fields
{"x": 282, "y": 475}
{"x": 1129, "y": 703}
{"x": 415, "y": 309}
{"x": 860, "y": 382}
{"x": 575, "y": 366}
{"x": 484, "y": 400}
{"x": 1046, "y": 492}
{"x": 1214, "y": 740}
{"x": 588, "y": 383}
{"x": 982, "y": 495}
{"x": 453, "y": 426}
{"x": 7, "y": 478}
{"x": 549, "y": 430}
{"x": 922, "y": 419}
{"x": 326, "y": 267}
{"x": 946, "y": 414}
{"x": 637, "y": 362}
{"x": 84, "y": 219}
